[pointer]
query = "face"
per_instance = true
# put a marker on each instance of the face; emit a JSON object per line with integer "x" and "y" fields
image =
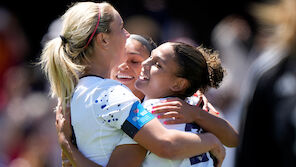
{"x": 128, "y": 72}
{"x": 158, "y": 73}
{"x": 118, "y": 36}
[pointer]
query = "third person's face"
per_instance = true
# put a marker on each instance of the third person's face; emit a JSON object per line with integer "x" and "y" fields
{"x": 128, "y": 72}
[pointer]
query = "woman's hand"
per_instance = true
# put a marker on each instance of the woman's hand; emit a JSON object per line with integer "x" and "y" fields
{"x": 176, "y": 111}
{"x": 65, "y": 161}
{"x": 204, "y": 103}
{"x": 218, "y": 155}
{"x": 63, "y": 125}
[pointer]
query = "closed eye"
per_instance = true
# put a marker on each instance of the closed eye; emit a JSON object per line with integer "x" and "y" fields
{"x": 135, "y": 62}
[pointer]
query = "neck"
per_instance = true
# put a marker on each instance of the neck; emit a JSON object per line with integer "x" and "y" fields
{"x": 99, "y": 65}
{"x": 139, "y": 94}
{"x": 147, "y": 97}
{"x": 99, "y": 70}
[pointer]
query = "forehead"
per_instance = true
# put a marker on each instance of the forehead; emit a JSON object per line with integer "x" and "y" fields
{"x": 117, "y": 18}
{"x": 164, "y": 51}
{"x": 135, "y": 47}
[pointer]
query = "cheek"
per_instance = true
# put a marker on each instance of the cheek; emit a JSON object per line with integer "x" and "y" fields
{"x": 113, "y": 73}
{"x": 160, "y": 79}
{"x": 136, "y": 69}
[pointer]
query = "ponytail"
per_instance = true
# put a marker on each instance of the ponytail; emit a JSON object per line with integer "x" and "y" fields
{"x": 215, "y": 69}
{"x": 60, "y": 70}
{"x": 64, "y": 58}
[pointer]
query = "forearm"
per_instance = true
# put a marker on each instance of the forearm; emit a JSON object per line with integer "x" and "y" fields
{"x": 174, "y": 144}
{"x": 186, "y": 144}
{"x": 218, "y": 126}
{"x": 75, "y": 156}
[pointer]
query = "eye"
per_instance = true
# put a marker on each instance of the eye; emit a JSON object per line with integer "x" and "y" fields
{"x": 157, "y": 65}
{"x": 135, "y": 62}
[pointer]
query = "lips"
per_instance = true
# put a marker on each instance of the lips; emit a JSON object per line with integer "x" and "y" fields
{"x": 124, "y": 76}
{"x": 143, "y": 76}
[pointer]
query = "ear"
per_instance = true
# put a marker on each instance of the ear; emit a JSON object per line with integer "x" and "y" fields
{"x": 179, "y": 85}
{"x": 103, "y": 40}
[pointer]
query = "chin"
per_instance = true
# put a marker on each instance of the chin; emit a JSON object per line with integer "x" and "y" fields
{"x": 139, "y": 85}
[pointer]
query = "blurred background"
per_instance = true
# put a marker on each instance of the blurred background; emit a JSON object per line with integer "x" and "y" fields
{"x": 28, "y": 137}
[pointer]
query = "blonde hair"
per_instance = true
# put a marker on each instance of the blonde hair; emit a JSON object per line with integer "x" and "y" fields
{"x": 65, "y": 57}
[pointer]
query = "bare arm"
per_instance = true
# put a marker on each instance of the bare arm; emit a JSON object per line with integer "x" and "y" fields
{"x": 185, "y": 113}
{"x": 127, "y": 155}
{"x": 174, "y": 144}
{"x": 218, "y": 126}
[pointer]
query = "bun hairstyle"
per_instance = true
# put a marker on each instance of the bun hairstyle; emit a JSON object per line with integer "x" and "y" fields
{"x": 200, "y": 66}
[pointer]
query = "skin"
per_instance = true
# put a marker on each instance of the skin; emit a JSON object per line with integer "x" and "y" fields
{"x": 159, "y": 71}
{"x": 110, "y": 49}
{"x": 128, "y": 72}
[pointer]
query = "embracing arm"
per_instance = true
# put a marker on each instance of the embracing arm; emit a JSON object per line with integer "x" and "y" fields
{"x": 218, "y": 126}
{"x": 174, "y": 144}
{"x": 185, "y": 113}
{"x": 75, "y": 156}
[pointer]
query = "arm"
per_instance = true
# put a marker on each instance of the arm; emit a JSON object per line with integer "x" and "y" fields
{"x": 127, "y": 155}
{"x": 174, "y": 144}
{"x": 185, "y": 113}
{"x": 133, "y": 154}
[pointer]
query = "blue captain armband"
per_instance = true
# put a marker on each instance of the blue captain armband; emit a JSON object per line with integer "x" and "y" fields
{"x": 137, "y": 118}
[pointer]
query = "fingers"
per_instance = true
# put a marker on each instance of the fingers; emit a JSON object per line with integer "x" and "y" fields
{"x": 68, "y": 114}
{"x": 66, "y": 163}
{"x": 205, "y": 101}
{"x": 164, "y": 109}
{"x": 212, "y": 109}
{"x": 169, "y": 115}
{"x": 169, "y": 99}
{"x": 59, "y": 111}
{"x": 176, "y": 121}
{"x": 168, "y": 103}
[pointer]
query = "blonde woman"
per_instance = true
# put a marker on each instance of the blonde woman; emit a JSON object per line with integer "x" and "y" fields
{"x": 78, "y": 65}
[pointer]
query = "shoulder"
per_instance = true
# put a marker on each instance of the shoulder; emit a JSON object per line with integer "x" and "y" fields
{"x": 112, "y": 89}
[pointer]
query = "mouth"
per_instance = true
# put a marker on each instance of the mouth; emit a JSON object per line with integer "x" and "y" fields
{"x": 143, "y": 76}
{"x": 124, "y": 78}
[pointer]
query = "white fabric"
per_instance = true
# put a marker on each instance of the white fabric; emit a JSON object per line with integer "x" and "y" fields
{"x": 98, "y": 109}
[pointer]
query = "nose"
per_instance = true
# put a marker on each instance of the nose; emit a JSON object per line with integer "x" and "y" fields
{"x": 127, "y": 34}
{"x": 145, "y": 64}
{"x": 123, "y": 66}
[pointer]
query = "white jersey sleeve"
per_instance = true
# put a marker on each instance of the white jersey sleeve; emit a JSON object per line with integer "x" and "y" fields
{"x": 121, "y": 109}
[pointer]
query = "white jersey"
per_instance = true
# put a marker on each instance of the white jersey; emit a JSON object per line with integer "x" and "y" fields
{"x": 152, "y": 160}
{"x": 102, "y": 111}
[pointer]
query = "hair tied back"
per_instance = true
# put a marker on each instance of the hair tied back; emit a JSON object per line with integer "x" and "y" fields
{"x": 64, "y": 40}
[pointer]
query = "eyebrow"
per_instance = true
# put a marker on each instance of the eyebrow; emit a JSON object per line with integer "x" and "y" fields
{"x": 134, "y": 53}
{"x": 159, "y": 59}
